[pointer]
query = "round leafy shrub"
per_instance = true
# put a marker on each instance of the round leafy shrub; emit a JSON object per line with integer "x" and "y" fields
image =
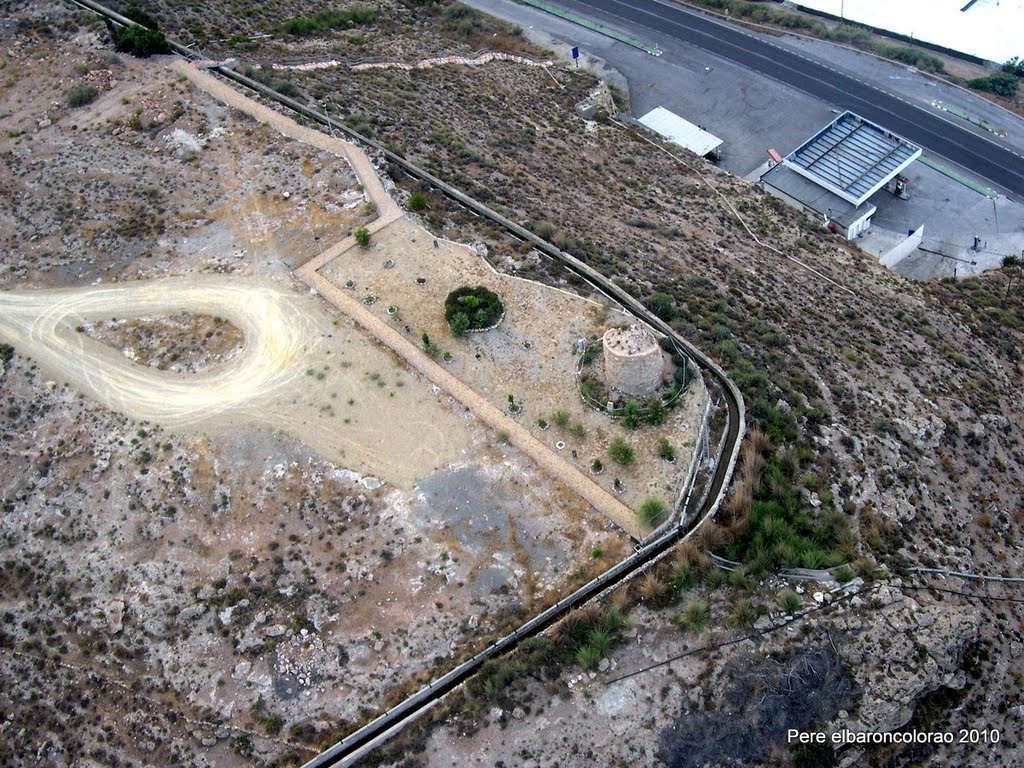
{"x": 140, "y": 42}
{"x": 471, "y": 308}
{"x": 80, "y": 95}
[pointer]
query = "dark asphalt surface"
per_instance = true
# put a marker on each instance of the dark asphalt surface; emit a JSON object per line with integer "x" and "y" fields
{"x": 653, "y": 21}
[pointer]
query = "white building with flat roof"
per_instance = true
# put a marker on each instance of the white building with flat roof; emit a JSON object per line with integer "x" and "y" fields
{"x": 682, "y": 132}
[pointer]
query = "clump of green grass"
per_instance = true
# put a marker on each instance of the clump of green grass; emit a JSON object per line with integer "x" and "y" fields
{"x": 788, "y": 600}
{"x": 694, "y": 617}
{"x": 652, "y": 511}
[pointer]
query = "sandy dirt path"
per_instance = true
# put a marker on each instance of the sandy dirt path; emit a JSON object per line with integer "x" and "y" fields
{"x": 277, "y": 335}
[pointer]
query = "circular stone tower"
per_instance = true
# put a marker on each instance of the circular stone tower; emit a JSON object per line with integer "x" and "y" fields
{"x": 633, "y": 363}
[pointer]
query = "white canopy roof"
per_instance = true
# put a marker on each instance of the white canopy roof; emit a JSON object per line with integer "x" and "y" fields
{"x": 682, "y": 132}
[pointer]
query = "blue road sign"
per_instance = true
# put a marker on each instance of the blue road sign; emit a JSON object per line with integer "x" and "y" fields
{"x": 575, "y": 51}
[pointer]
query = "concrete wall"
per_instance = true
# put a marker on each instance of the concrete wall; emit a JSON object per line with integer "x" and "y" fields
{"x": 904, "y": 249}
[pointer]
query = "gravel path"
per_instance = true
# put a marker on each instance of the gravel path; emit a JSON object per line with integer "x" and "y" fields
{"x": 603, "y": 501}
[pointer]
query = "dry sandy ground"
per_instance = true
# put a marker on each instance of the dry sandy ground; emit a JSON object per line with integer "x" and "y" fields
{"x": 531, "y": 355}
{"x": 295, "y": 371}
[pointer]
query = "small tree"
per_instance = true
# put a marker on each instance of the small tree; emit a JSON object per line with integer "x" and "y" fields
{"x": 362, "y": 236}
{"x": 1014, "y": 66}
{"x": 654, "y": 411}
{"x": 481, "y": 305}
{"x": 621, "y": 452}
{"x": 459, "y": 324}
{"x": 417, "y": 201}
{"x": 429, "y": 346}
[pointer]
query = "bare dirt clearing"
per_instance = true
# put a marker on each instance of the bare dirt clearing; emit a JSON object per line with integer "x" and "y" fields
{"x": 181, "y": 343}
{"x": 295, "y": 372}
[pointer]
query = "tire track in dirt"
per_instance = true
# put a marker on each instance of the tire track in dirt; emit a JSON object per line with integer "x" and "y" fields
{"x": 277, "y": 332}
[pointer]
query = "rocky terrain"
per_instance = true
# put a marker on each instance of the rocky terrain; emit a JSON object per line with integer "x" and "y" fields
{"x": 890, "y": 413}
{"x": 183, "y": 343}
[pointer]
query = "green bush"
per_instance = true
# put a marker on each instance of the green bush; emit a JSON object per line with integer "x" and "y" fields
{"x": 652, "y": 510}
{"x": 621, "y": 452}
{"x": 139, "y": 16}
{"x": 80, "y": 95}
{"x": 481, "y": 305}
{"x": 665, "y": 450}
{"x": 6, "y": 353}
{"x": 322, "y": 21}
{"x": 462, "y": 19}
{"x": 459, "y": 324}
{"x": 417, "y": 201}
{"x": 1001, "y": 84}
{"x": 662, "y": 305}
{"x": 360, "y": 124}
{"x": 362, "y": 236}
{"x": 286, "y": 88}
{"x": 141, "y": 42}
{"x": 631, "y": 414}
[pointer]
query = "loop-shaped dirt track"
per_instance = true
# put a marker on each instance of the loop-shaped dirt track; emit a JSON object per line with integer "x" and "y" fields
{"x": 43, "y": 324}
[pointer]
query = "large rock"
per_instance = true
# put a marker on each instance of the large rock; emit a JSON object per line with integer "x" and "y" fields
{"x": 907, "y": 650}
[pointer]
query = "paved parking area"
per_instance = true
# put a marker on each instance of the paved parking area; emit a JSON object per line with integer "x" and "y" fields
{"x": 752, "y": 113}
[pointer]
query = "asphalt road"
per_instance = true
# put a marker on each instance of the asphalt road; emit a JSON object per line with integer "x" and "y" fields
{"x": 653, "y": 21}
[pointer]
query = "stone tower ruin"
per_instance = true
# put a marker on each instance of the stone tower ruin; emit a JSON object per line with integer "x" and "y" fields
{"x": 633, "y": 363}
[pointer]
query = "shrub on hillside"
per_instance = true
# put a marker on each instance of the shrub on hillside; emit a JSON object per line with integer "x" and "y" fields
{"x": 140, "y": 42}
{"x": 1001, "y": 84}
{"x": 323, "y": 21}
{"x": 80, "y": 95}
